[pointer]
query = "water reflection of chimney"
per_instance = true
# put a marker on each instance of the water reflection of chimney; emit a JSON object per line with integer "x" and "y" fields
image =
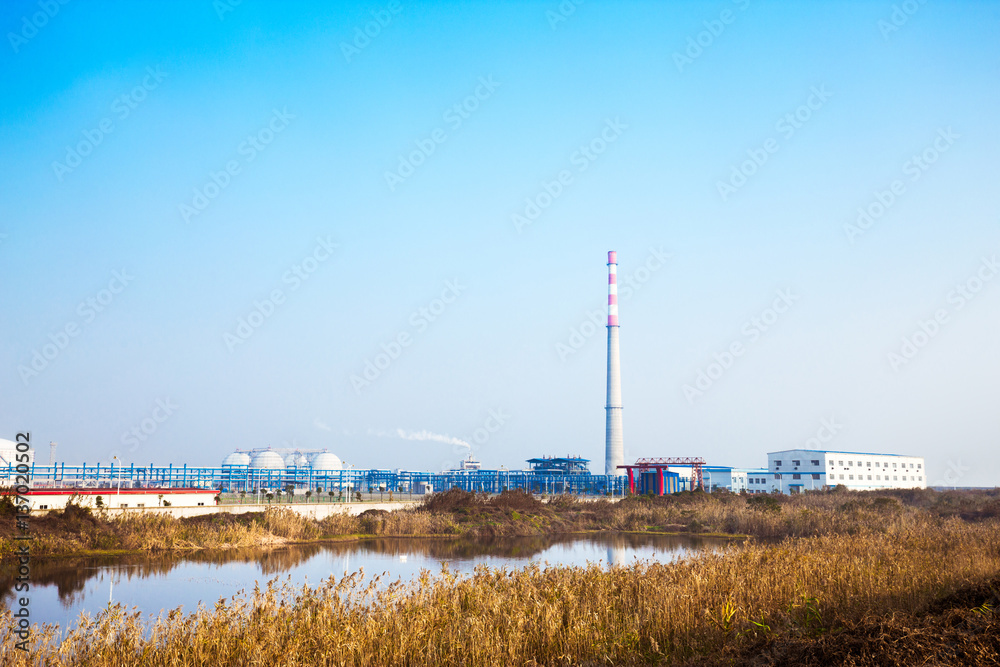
{"x": 616, "y": 555}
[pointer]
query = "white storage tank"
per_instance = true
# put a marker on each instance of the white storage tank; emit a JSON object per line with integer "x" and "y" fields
{"x": 266, "y": 459}
{"x": 327, "y": 461}
{"x": 237, "y": 458}
{"x": 9, "y": 452}
{"x": 296, "y": 460}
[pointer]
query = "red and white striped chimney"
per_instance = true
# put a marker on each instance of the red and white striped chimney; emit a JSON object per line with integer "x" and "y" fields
{"x": 612, "y": 288}
{"x": 614, "y": 448}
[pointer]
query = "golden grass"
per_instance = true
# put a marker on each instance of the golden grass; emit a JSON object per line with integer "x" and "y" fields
{"x": 707, "y": 607}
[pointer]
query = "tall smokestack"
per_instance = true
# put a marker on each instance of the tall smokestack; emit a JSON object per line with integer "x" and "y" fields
{"x": 614, "y": 451}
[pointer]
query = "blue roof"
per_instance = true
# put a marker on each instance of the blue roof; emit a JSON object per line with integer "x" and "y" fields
{"x": 836, "y": 451}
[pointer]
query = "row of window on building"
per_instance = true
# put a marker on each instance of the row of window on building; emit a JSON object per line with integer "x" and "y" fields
{"x": 878, "y": 478}
{"x": 763, "y": 480}
{"x": 867, "y": 464}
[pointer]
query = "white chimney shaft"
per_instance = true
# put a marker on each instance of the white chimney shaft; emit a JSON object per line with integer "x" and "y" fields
{"x": 614, "y": 452}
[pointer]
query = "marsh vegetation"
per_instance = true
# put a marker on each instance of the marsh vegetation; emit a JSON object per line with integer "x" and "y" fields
{"x": 887, "y": 578}
{"x": 899, "y": 595}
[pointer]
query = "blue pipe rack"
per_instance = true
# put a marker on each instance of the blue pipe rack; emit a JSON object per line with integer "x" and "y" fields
{"x": 243, "y": 478}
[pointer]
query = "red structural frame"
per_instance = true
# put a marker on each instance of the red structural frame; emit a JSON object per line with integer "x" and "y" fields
{"x": 658, "y": 464}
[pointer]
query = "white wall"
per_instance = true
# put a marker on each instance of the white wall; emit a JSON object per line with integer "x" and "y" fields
{"x": 8, "y": 453}
{"x": 733, "y": 479}
{"x": 857, "y": 471}
{"x": 111, "y": 499}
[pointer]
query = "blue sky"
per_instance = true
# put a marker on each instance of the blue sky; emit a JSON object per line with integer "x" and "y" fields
{"x": 647, "y": 129}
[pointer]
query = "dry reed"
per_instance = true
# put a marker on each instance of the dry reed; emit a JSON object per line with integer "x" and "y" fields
{"x": 709, "y": 607}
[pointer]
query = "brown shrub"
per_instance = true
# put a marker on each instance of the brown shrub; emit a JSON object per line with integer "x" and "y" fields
{"x": 522, "y": 501}
{"x": 452, "y": 500}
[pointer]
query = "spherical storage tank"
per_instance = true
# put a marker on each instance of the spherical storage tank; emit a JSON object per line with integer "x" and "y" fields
{"x": 326, "y": 461}
{"x": 237, "y": 458}
{"x": 9, "y": 452}
{"x": 266, "y": 459}
{"x": 296, "y": 460}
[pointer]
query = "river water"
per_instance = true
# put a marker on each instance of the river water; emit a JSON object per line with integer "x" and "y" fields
{"x": 62, "y": 588}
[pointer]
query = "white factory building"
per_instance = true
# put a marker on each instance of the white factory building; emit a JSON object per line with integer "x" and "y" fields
{"x": 758, "y": 481}
{"x": 9, "y": 453}
{"x": 723, "y": 477}
{"x": 797, "y": 470}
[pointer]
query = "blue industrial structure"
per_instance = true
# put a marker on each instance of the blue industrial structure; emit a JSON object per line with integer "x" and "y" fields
{"x": 245, "y": 478}
{"x": 658, "y": 481}
{"x": 548, "y": 465}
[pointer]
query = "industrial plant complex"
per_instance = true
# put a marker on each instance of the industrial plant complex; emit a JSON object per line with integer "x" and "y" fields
{"x": 323, "y": 474}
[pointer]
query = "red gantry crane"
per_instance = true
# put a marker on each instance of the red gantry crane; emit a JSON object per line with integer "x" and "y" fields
{"x": 659, "y": 464}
